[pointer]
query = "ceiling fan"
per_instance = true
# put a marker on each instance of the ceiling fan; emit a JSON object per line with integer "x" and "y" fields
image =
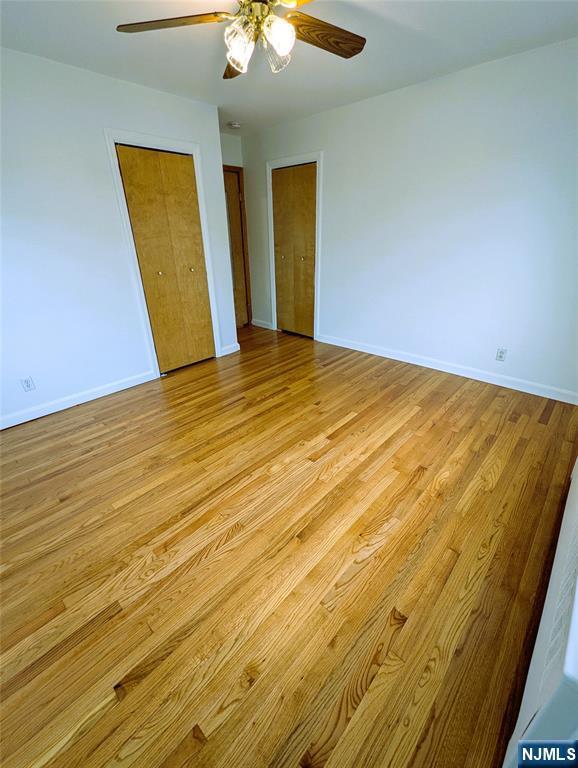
{"x": 256, "y": 21}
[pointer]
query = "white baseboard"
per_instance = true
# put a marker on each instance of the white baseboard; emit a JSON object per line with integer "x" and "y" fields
{"x": 522, "y": 385}
{"x": 229, "y": 350}
{"x": 43, "y": 409}
{"x": 263, "y": 324}
{"x": 534, "y": 388}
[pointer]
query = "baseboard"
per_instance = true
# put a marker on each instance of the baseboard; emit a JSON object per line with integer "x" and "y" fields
{"x": 229, "y": 349}
{"x": 27, "y": 414}
{"x": 263, "y": 324}
{"x": 522, "y": 385}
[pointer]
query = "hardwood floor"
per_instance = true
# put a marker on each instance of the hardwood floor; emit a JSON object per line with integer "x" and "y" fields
{"x": 296, "y": 556}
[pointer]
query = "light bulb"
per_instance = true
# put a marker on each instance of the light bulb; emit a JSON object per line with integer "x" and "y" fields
{"x": 240, "y": 41}
{"x": 279, "y": 33}
{"x": 276, "y": 62}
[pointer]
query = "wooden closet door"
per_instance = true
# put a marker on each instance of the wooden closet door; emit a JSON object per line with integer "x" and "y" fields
{"x": 236, "y": 240}
{"x": 161, "y": 194}
{"x": 294, "y": 229}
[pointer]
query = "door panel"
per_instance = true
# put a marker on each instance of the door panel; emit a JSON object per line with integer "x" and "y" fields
{"x": 294, "y": 228}
{"x": 161, "y": 194}
{"x": 236, "y": 240}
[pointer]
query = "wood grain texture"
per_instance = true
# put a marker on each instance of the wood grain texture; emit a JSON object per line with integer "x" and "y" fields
{"x": 163, "y": 204}
{"x": 237, "y": 243}
{"x": 299, "y": 555}
{"x": 326, "y": 36}
{"x": 294, "y": 230}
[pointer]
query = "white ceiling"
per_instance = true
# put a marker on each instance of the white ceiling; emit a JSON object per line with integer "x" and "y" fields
{"x": 407, "y": 41}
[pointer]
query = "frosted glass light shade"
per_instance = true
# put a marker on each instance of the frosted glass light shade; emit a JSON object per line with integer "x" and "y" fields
{"x": 276, "y": 62}
{"x": 279, "y": 33}
{"x": 240, "y": 42}
{"x": 239, "y": 56}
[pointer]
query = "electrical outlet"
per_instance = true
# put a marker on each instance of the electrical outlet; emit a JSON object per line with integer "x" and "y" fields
{"x": 501, "y": 354}
{"x": 28, "y": 384}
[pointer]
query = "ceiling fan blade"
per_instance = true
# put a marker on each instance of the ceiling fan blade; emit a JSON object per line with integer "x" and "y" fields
{"x": 231, "y": 72}
{"x": 326, "y": 36}
{"x": 178, "y": 21}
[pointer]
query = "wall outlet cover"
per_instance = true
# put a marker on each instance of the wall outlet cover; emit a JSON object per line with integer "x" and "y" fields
{"x": 28, "y": 384}
{"x": 501, "y": 354}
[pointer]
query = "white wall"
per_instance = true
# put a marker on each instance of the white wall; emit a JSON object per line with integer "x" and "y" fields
{"x": 72, "y": 311}
{"x": 448, "y": 221}
{"x": 232, "y": 150}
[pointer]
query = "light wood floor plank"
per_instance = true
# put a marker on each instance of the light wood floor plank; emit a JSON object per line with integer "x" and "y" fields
{"x": 298, "y": 555}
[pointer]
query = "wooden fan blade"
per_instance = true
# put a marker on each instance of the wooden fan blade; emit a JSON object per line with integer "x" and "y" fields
{"x": 326, "y": 36}
{"x": 178, "y": 21}
{"x": 231, "y": 72}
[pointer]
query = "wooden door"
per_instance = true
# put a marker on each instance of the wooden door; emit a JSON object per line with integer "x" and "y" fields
{"x": 294, "y": 230}
{"x": 161, "y": 194}
{"x": 238, "y": 243}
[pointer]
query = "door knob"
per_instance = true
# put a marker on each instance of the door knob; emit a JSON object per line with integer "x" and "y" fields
{"x": 302, "y": 258}
{"x": 191, "y": 269}
{"x": 159, "y": 273}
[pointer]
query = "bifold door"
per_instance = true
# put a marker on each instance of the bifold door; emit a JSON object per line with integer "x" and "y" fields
{"x": 294, "y": 233}
{"x": 161, "y": 195}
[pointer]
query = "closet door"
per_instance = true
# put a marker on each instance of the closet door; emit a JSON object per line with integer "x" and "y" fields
{"x": 294, "y": 231}
{"x": 161, "y": 194}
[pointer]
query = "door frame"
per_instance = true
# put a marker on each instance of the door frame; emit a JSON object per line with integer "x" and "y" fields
{"x": 115, "y": 136}
{"x": 284, "y": 162}
{"x": 238, "y": 169}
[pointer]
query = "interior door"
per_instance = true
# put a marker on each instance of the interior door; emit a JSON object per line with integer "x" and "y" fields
{"x": 237, "y": 240}
{"x": 161, "y": 194}
{"x": 294, "y": 230}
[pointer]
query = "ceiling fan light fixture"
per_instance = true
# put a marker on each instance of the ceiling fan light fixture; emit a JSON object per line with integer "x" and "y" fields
{"x": 241, "y": 26}
{"x": 257, "y": 20}
{"x": 240, "y": 42}
{"x": 239, "y": 56}
{"x": 279, "y": 34}
{"x": 276, "y": 62}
